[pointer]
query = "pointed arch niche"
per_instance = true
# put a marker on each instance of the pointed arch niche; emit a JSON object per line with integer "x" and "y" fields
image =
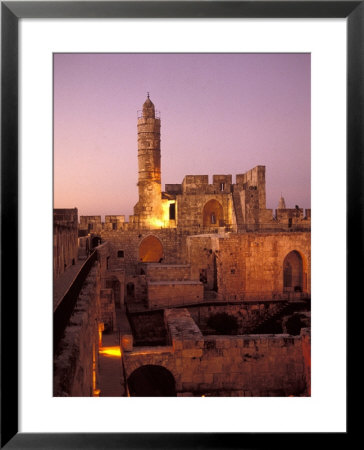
{"x": 212, "y": 214}
{"x": 294, "y": 279}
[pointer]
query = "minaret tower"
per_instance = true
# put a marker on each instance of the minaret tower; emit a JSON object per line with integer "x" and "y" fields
{"x": 149, "y": 207}
{"x": 281, "y": 203}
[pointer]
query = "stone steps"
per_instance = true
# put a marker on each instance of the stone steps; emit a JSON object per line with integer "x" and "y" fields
{"x": 265, "y": 325}
{"x": 259, "y": 327}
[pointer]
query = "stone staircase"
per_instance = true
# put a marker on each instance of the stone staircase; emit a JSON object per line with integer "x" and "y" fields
{"x": 272, "y": 324}
{"x": 238, "y": 211}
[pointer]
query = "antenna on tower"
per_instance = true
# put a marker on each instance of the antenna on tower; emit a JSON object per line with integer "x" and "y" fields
{"x": 148, "y": 94}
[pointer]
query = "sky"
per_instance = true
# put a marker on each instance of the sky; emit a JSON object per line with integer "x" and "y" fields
{"x": 220, "y": 114}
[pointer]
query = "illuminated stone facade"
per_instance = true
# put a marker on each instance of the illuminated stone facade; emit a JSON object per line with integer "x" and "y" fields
{"x": 191, "y": 253}
{"x": 232, "y": 244}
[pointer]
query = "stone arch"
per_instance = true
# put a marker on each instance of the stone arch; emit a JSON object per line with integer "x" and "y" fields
{"x": 151, "y": 250}
{"x": 293, "y": 274}
{"x": 213, "y": 214}
{"x": 151, "y": 381}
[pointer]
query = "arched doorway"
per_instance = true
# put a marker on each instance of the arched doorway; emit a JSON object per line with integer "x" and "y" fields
{"x": 293, "y": 272}
{"x": 130, "y": 290}
{"x": 212, "y": 214}
{"x": 114, "y": 284}
{"x": 151, "y": 250}
{"x": 151, "y": 381}
{"x": 95, "y": 241}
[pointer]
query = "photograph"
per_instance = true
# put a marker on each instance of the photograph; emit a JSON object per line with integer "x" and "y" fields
{"x": 182, "y": 225}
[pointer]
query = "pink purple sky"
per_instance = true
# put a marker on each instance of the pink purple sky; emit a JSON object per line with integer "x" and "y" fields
{"x": 220, "y": 114}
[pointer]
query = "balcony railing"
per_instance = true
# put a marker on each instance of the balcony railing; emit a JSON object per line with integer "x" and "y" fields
{"x": 140, "y": 114}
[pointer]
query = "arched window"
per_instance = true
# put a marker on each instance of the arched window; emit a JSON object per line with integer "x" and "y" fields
{"x": 293, "y": 272}
{"x": 151, "y": 250}
{"x": 212, "y": 214}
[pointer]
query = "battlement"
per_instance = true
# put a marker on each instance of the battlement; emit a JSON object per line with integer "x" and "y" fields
{"x": 90, "y": 223}
{"x": 253, "y": 176}
{"x": 114, "y": 222}
{"x": 67, "y": 217}
{"x": 173, "y": 189}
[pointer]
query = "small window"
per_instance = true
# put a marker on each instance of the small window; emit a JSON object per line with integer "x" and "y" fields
{"x": 120, "y": 253}
{"x": 289, "y": 223}
{"x": 213, "y": 218}
{"x": 114, "y": 226}
{"x": 222, "y": 186}
{"x": 172, "y": 211}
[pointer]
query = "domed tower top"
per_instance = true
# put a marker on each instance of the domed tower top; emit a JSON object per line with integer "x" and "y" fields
{"x": 148, "y": 108}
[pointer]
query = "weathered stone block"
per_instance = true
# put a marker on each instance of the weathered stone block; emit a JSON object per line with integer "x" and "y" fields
{"x": 190, "y": 353}
{"x": 127, "y": 342}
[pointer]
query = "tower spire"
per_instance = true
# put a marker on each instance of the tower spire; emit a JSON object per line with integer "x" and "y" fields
{"x": 281, "y": 203}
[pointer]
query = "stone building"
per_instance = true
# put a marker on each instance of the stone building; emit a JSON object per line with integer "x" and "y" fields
{"x": 196, "y": 253}
{"x": 65, "y": 233}
{"x": 221, "y": 233}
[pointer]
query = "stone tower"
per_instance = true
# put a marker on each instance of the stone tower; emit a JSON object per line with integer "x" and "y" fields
{"x": 149, "y": 207}
{"x": 281, "y": 203}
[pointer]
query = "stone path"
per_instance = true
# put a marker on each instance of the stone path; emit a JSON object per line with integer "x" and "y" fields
{"x": 64, "y": 281}
{"x": 111, "y": 377}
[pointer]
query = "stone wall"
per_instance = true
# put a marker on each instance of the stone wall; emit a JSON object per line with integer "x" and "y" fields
{"x": 265, "y": 365}
{"x": 75, "y": 364}
{"x": 248, "y": 314}
{"x": 128, "y": 242}
{"x": 107, "y": 309}
{"x": 249, "y": 266}
{"x": 91, "y": 224}
{"x": 164, "y": 272}
{"x": 201, "y": 251}
{"x": 190, "y": 209}
{"x": 114, "y": 222}
{"x": 306, "y": 350}
{"x": 254, "y": 181}
{"x": 65, "y": 239}
{"x": 240, "y": 266}
{"x": 115, "y": 280}
{"x": 174, "y": 293}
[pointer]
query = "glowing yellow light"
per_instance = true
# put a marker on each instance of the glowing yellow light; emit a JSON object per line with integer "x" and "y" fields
{"x": 155, "y": 223}
{"x": 163, "y": 222}
{"x": 96, "y": 393}
{"x": 110, "y": 351}
{"x": 101, "y": 329}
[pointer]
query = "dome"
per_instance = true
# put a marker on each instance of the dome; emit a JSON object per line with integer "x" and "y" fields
{"x": 148, "y": 108}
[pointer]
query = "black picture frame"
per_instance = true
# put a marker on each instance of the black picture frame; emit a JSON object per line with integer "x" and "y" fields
{"x": 11, "y": 12}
